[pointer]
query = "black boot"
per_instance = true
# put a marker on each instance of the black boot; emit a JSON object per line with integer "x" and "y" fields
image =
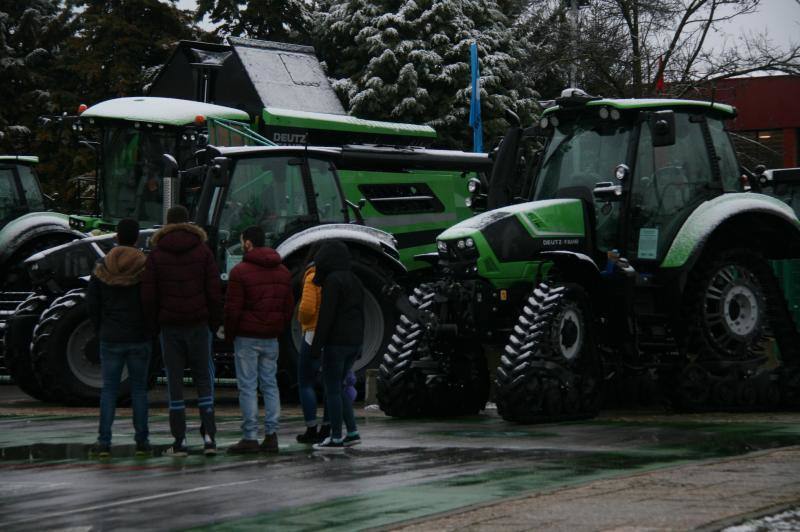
{"x": 311, "y": 435}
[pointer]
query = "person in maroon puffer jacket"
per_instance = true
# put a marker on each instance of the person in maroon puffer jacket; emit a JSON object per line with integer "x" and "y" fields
{"x": 182, "y": 294}
{"x": 258, "y": 309}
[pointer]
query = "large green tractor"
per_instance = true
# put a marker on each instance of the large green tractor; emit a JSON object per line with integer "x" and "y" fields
{"x": 637, "y": 246}
{"x": 298, "y": 194}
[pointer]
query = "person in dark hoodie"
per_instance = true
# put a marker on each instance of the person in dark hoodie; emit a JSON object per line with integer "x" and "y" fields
{"x": 337, "y": 338}
{"x": 258, "y": 309}
{"x": 116, "y": 311}
{"x": 182, "y": 294}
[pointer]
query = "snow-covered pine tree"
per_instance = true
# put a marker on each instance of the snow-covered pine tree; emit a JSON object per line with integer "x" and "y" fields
{"x": 408, "y": 60}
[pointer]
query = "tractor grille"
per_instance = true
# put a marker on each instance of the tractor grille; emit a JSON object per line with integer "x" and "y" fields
{"x": 9, "y": 301}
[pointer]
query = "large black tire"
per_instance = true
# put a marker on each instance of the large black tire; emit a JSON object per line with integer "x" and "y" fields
{"x": 65, "y": 353}
{"x": 380, "y": 317}
{"x": 422, "y": 375}
{"x": 735, "y": 311}
{"x": 550, "y": 370}
{"x": 17, "y": 341}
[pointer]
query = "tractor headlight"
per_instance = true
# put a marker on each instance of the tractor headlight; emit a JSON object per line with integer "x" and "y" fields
{"x": 470, "y": 243}
{"x": 461, "y": 244}
{"x": 473, "y": 185}
{"x": 440, "y": 244}
{"x": 468, "y": 202}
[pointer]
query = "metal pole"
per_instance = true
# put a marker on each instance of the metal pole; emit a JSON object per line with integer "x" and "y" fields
{"x": 573, "y": 71}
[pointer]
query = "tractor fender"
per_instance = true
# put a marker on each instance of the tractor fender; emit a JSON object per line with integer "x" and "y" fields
{"x": 576, "y": 267}
{"x": 29, "y": 227}
{"x": 740, "y": 220}
{"x": 380, "y": 242}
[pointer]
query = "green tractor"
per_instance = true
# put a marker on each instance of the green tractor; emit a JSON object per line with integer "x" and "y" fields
{"x": 634, "y": 245}
{"x": 299, "y": 194}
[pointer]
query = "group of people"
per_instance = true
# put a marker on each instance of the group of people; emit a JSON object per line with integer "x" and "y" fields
{"x": 175, "y": 293}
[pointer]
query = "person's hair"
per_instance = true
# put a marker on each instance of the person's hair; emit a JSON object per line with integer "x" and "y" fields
{"x": 127, "y": 232}
{"x": 177, "y": 215}
{"x": 312, "y": 251}
{"x": 255, "y": 235}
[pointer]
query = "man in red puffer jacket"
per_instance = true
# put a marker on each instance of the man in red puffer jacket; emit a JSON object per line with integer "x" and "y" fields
{"x": 258, "y": 309}
{"x": 182, "y": 295}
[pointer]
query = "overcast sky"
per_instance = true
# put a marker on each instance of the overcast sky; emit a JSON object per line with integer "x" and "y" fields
{"x": 780, "y": 19}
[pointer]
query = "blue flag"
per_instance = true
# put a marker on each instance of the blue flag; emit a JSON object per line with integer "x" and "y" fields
{"x": 475, "y": 102}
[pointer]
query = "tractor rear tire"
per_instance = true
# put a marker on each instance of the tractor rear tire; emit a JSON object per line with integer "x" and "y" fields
{"x": 380, "y": 317}
{"x": 65, "y": 353}
{"x": 550, "y": 370}
{"x": 734, "y": 310}
{"x": 17, "y": 341}
{"x": 453, "y": 382}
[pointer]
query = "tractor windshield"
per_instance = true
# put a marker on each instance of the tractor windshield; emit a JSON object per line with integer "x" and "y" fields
{"x": 270, "y": 192}
{"x": 582, "y": 153}
{"x": 131, "y": 172}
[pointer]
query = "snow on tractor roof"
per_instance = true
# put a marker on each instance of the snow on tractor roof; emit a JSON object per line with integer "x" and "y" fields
{"x": 168, "y": 111}
{"x": 274, "y": 116}
{"x": 27, "y": 159}
{"x": 286, "y": 76}
{"x": 648, "y": 103}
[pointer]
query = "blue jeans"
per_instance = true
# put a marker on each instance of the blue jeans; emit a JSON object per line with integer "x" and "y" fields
{"x": 337, "y": 361}
{"x": 256, "y": 366}
{"x": 307, "y": 369}
{"x": 113, "y": 358}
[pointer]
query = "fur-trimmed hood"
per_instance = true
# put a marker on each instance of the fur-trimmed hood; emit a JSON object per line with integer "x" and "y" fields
{"x": 178, "y": 238}
{"x": 123, "y": 266}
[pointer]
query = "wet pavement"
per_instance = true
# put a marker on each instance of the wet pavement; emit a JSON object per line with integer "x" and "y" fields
{"x": 405, "y": 470}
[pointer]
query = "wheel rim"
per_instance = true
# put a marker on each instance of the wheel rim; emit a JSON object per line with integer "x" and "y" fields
{"x": 83, "y": 356}
{"x": 373, "y": 332}
{"x": 570, "y": 333}
{"x": 733, "y": 308}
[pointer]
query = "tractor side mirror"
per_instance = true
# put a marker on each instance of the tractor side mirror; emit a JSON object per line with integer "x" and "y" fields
{"x": 220, "y": 173}
{"x": 662, "y": 128}
{"x": 607, "y": 191}
{"x": 170, "y": 165}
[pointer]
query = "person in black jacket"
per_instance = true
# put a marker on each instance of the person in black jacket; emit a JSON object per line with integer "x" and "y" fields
{"x": 338, "y": 338}
{"x": 115, "y": 309}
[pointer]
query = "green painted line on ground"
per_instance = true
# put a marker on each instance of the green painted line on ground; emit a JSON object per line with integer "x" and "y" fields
{"x": 393, "y": 505}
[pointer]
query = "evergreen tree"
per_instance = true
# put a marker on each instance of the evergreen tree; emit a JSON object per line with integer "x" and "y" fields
{"x": 121, "y": 43}
{"x": 31, "y": 35}
{"x": 273, "y": 20}
{"x": 407, "y": 60}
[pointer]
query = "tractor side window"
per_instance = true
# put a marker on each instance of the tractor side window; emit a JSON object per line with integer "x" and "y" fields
{"x": 267, "y": 192}
{"x": 669, "y": 181}
{"x": 326, "y": 193}
{"x": 30, "y": 186}
{"x": 728, "y": 167}
{"x": 9, "y": 203}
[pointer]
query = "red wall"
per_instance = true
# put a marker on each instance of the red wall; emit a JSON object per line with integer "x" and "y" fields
{"x": 770, "y": 102}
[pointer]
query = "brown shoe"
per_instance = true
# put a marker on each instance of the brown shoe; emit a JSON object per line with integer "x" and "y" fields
{"x": 270, "y": 443}
{"x": 244, "y": 447}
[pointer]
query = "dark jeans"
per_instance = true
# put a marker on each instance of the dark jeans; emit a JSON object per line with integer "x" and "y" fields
{"x": 182, "y": 346}
{"x": 113, "y": 358}
{"x": 337, "y": 360}
{"x": 307, "y": 370}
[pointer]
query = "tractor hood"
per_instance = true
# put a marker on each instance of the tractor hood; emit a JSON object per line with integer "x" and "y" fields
{"x": 516, "y": 233}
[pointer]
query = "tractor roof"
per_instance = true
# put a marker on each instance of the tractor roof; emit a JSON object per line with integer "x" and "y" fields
{"x": 274, "y": 116}
{"x": 26, "y": 159}
{"x": 654, "y": 103}
{"x": 373, "y": 158}
{"x": 167, "y": 111}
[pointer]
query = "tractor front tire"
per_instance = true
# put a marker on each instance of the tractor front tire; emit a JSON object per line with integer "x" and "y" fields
{"x": 422, "y": 375}
{"x": 550, "y": 370}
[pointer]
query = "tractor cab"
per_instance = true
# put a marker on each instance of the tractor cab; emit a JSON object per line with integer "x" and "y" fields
{"x": 132, "y": 136}
{"x": 284, "y": 190}
{"x": 20, "y": 192}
